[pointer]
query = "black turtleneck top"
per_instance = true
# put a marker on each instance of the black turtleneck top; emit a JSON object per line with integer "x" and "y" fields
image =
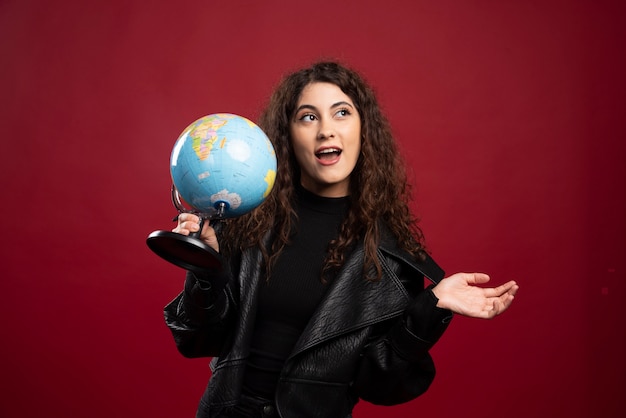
{"x": 289, "y": 298}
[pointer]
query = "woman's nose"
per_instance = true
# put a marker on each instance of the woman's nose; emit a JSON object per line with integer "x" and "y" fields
{"x": 326, "y": 130}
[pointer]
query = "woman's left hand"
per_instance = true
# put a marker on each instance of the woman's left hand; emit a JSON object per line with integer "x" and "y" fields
{"x": 460, "y": 294}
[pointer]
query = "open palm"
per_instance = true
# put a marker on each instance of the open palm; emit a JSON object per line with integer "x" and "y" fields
{"x": 461, "y": 294}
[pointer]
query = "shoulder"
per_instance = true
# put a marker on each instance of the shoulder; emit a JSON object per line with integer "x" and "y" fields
{"x": 389, "y": 249}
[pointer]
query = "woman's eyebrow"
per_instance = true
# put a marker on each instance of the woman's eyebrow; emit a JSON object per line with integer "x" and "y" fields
{"x": 306, "y": 106}
{"x": 313, "y": 108}
{"x": 342, "y": 103}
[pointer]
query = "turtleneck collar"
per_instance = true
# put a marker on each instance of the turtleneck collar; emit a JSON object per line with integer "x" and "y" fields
{"x": 331, "y": 205}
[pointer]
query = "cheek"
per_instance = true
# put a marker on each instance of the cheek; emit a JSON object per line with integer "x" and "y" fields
{"x": 299, "y": 152}
{"x": 358, "y": 145}
{"x": 301, "y": 143}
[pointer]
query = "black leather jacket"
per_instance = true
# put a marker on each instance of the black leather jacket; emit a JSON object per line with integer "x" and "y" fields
{"x": 367, "y": 340}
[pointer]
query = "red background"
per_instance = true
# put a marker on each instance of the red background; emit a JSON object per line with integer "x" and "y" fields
{"x": 510, "y": 113}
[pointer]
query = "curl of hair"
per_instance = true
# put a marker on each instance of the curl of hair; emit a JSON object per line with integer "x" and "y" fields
{"x": 379, "y": 188}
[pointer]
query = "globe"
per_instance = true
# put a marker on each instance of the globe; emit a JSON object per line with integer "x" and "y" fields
{"x": 223, "y": 163}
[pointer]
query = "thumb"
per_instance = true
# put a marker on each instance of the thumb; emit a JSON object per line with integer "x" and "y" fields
{"x": 208, "y": 235}
{"x": 476, "y": 278}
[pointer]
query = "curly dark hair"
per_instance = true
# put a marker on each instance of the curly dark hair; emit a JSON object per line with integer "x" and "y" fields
{"x": 379, "y": 191}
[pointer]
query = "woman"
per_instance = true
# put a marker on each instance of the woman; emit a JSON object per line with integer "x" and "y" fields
{"x": 323, "y": 300}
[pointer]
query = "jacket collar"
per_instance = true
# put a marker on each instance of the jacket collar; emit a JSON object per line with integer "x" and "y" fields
{"x": 426, "y": 267}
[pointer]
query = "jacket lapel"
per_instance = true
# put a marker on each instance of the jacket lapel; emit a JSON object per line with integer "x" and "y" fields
{"x": 352, "y": 302}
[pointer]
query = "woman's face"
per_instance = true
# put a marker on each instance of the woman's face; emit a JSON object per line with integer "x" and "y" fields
{"x": 326, "y": 139}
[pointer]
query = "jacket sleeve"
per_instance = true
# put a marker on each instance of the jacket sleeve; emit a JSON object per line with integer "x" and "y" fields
{"x": 198, "y": 316}
{"x": 396, "y": 366}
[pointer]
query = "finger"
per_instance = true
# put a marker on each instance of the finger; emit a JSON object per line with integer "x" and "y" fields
{"x": 503, "y": 303}
{"x": 188, "y": 217}
{"x": 510, "y": 284}
{"x": 476, "y": 278}
{"x": 187, "y": 223}
{"x": 514, "y": 289}
{"x": 190, "y": 221}
{"x": 507, "y": 288}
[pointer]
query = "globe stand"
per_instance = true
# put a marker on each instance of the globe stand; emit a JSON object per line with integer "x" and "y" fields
{"x": 188, "y": 251}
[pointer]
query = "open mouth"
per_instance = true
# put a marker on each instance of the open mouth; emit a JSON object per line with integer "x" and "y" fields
{"x": 328, "y": 154}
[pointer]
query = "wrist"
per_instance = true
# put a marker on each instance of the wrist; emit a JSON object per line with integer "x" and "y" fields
{"x": 197, "y": 292}
{"x": 440, "y": 296}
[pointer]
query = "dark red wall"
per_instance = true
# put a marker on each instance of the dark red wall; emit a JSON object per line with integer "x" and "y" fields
{"x": 510, "y": 113}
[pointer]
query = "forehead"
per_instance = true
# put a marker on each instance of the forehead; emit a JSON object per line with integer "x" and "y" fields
{"x": 323, "y": 94}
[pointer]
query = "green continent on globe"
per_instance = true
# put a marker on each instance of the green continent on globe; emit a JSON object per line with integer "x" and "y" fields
{"x": 204, "y": 133}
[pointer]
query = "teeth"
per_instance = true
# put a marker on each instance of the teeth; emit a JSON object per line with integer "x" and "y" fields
{"x": 328, "y": 151}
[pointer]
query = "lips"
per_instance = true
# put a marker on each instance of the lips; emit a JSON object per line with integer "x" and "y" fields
{"x": 329, "y": 154}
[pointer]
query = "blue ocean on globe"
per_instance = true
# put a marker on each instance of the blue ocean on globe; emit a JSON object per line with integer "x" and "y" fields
{"x": 224, "y": 159}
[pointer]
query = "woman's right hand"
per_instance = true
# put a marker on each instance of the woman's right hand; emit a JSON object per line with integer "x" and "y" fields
{"x": 189, "y": 223}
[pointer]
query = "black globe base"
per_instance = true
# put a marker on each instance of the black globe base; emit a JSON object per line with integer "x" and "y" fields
{"x": 187, "y": 252}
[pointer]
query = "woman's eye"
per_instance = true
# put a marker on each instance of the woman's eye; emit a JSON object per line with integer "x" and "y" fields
{"x": 343, "y": 112}
{"x": 307, "y": 117}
